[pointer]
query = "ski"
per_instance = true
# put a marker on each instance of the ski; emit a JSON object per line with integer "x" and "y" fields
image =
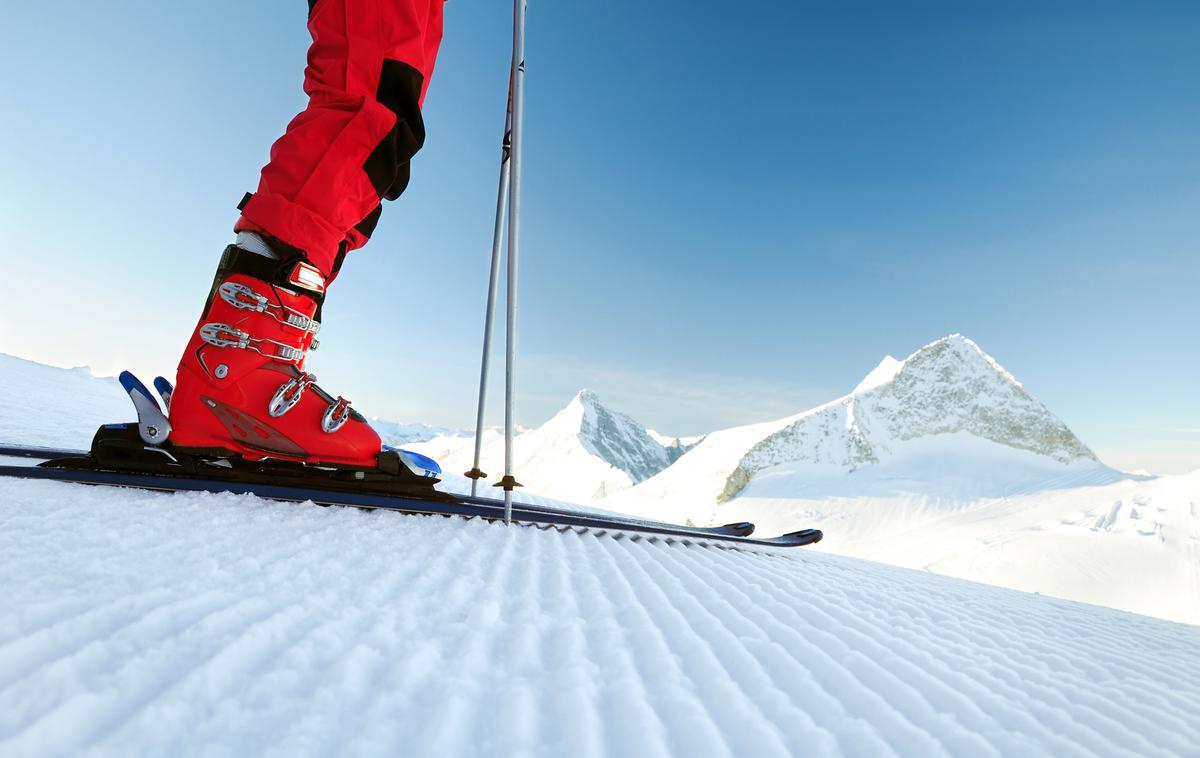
{"x": 739, "y": 529}
{"x": 37, "y": 453}
{"x": 452, "y": 505}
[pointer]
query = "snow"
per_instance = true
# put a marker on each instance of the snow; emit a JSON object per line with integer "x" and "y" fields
{"x": 55, "y": 407}
{"x": 140, "y": 623}
{"x": 962, "y": 506}
{"x": 681, "y": 443}
{"x": 662, "y": 439}
{"x": 687, "y": 489}
{"x": 1083, "y": 532}
{"x": 881, "y": 374}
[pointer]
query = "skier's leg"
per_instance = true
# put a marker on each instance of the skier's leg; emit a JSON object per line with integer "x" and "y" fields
{"x": 242, "y": 386}
{"x": 368, "y": 69}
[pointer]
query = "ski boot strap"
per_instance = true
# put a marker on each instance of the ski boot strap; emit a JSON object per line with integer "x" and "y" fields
{"x": 294, "y": 272}
{"x": 248, "y": 299}
{"x": 225, "y": 335}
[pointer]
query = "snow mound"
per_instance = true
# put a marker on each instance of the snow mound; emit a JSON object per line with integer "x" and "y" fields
{"x": 137, "y": 623}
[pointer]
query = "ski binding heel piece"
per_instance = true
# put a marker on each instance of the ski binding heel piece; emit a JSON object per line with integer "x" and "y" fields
{"x": 152, "y": 424}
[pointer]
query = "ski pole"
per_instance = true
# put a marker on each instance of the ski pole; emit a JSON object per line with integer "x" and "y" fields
{"x": 517, "y": 74}
{"x": 475, "y": 473}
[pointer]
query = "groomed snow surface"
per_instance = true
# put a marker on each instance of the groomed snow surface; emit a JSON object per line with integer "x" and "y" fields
{"x": 134, "y": 623}
{"x": 147, "y": 624}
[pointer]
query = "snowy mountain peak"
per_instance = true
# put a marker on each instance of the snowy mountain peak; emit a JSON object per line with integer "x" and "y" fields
{"x": 947, "y": 387}
{"x": 586, "y": 451}
{"x": 609, "y": 435}
{"x": 586, "y": 404}
{"x": 884, "y": 372}
{"x": 951, "y": 385}
{"x": 956, "y": 353}
{"x": 577, "y": 414}
{"x": 586, "y": 397}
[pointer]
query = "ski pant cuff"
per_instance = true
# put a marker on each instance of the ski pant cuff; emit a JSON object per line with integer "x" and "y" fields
{"x": 295, "y": 225}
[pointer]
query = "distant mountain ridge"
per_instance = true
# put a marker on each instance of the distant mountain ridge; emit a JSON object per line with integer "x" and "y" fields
{"x": 589, "y": 452}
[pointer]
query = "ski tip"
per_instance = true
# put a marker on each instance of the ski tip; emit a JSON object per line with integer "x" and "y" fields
{"x": 742, "y": 528}
{"x": 132, "y": 384}
{"x": 809, "y": 536}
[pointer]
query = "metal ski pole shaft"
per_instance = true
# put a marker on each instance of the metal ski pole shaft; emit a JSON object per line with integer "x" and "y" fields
{"x": 517, "y": 74}
{"x": 493, "y": 285}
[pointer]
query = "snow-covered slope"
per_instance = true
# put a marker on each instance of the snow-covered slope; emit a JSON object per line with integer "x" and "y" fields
{"x": 688, "y": 489}
{"x": 583, "y": 453}
{"x": 881, "y": 374}
{"x": 148, "y": 624}
{"x": 56, "y": 407}
{"x": 943, "y": 461}
{"x": 1081, "y": 532}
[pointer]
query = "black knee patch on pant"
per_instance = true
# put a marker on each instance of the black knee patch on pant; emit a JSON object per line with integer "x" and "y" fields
{"x": 387, "y": 165}
{"x": 366, "y": 227}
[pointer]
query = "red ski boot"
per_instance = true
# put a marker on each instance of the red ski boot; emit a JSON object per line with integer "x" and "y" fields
{"x": 242, "y": 388}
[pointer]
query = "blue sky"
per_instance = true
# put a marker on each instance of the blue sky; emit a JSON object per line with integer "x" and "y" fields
{"x": 730, "y": 214}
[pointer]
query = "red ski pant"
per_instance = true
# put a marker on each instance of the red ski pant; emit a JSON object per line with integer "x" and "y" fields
{"x": 368, "y": 68}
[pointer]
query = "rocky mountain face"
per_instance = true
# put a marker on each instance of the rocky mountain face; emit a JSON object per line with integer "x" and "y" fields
{"x": 613, "y": 437}
{"x": 947, "y": 386}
